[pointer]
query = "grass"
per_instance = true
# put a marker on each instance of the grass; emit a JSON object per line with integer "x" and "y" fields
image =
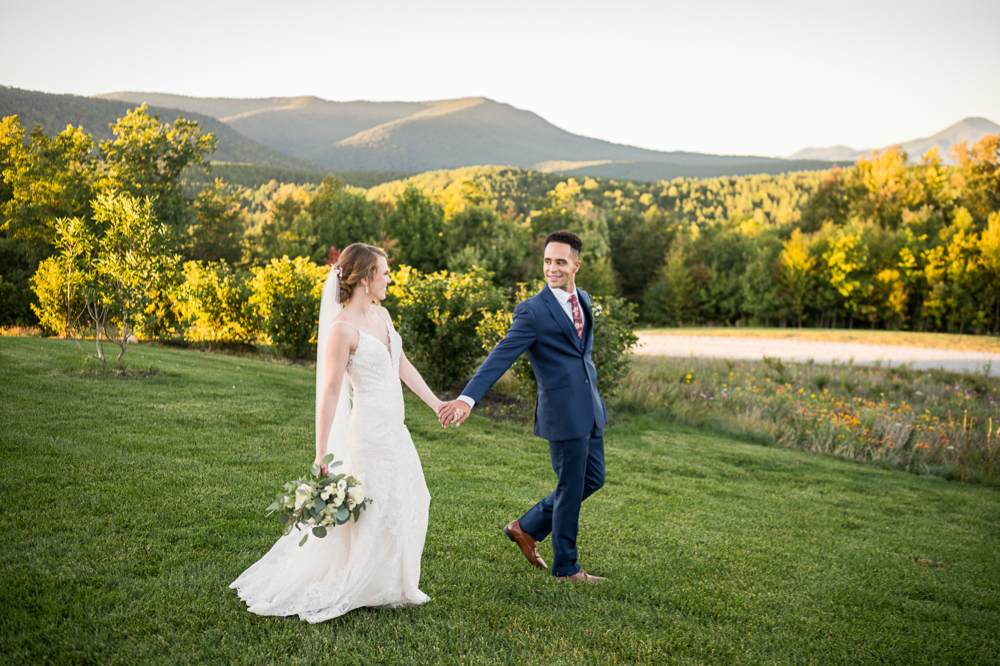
{"x": 930, "y": 422}
{"x": 980, "y": 343}
{"x": 130, "y": 503}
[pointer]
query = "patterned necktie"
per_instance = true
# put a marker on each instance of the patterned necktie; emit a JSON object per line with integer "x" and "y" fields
{"x": 577, "y": 315}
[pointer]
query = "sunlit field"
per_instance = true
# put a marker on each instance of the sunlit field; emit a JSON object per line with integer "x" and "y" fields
{"x": 923, "y": 421}
{"x": 130, "y": 502}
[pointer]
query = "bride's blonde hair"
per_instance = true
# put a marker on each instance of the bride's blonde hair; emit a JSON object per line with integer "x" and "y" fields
{"x": 356, "y": 263}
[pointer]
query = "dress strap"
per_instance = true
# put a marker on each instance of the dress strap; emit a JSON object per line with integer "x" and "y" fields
{"x": 349, "y": 324}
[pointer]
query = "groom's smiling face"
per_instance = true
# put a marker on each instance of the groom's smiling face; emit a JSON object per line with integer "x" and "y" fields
{"x": 561, "y": 264}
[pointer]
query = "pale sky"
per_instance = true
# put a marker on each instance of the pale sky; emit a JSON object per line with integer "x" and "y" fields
{"x": 728, "y": 77}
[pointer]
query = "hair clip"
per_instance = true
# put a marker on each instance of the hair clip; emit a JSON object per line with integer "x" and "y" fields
{"x": 339, "y": 271}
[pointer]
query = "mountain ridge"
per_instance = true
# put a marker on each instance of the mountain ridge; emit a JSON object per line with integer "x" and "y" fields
{"x": 969, "y": 129}
{"x": 446, "y": 134}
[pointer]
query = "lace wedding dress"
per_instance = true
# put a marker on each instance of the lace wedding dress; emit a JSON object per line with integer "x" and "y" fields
{"x": 372, "y": 562}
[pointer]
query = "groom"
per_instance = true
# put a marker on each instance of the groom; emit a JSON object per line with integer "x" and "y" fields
{"x": 556, "y": 329}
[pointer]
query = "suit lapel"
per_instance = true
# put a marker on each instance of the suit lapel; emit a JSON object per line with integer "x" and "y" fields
{"x": 560, "y": 316}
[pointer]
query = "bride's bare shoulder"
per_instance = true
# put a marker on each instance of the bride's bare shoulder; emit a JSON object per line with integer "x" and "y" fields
{"x": 343, "y": 332}
{"x": 384, "y": 314}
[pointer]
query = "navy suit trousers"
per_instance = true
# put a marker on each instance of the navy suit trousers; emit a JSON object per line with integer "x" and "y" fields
{"x": 579, "y": 466}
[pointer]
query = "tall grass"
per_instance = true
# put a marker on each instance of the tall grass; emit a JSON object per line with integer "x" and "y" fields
{"x": 929, "y": 422}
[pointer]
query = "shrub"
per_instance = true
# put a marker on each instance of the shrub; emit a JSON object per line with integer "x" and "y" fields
{"x": 213, "y": 304}
{"x": 437, "y": 315}
{"x": 285, "y": 298}
{"x": 491, "y": 331}
{"x": 614, "y": 339}
{"x": 49, "y": 285}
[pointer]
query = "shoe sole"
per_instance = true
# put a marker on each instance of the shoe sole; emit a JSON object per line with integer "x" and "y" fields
{"x": 511, "y": 537}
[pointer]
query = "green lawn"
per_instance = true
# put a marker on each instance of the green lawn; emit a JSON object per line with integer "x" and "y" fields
{"x": 129, "y": 504}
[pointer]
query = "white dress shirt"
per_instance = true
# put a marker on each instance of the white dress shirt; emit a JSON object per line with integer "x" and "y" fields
{"x": 563, "y": 297}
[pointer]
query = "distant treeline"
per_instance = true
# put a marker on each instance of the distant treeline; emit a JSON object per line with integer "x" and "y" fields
{"x": 254, "y": 175}
{"x": 879, "y": 244}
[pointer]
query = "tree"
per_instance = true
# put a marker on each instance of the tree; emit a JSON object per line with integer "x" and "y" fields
{"x": 113, "y": 273}
{"x": 669, "y": 299}
{"x": 978, "y": 177}
{"x": 342, "y": 217}
{"x": 501, "y": 245}
{"x": 146, "y": 157}
{"x": 956, "y": 278}
{"x": 217, "y": 233}
{"x": 797, "y": 273}
{"x": 989, "y": 246}
{"x": 417, "y": 224}
{"x": 41, "y": 180}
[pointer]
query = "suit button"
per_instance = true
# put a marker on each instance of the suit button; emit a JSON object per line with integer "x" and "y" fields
{"x": 586, "y": 381}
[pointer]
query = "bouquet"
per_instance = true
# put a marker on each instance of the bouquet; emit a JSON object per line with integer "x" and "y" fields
{"x": 319, "y": 502}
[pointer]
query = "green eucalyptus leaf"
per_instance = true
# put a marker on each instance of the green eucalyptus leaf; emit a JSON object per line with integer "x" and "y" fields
{"x": 303, "y": 542}
{"x": 327, "y": 459}
{"x": 320, "y": 505}
{"x": 342, "y": 514}
{"x": 272, "y": 508}
{"x": 315, "y": 470}
{"x": 319, "y": 532}
{"x": 283, "y": 517}
{"x": 336, "y": 464}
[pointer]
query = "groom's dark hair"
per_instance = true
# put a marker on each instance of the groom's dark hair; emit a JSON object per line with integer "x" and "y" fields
{"x": 567, "y": 237}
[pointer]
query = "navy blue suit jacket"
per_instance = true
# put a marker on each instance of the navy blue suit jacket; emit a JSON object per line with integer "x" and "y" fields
{"x": 568, "y": 403}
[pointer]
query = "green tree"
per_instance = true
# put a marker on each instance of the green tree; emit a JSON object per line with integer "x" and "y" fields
{"x": 342, "y": 217}
{"x": 501, "y": 245}
{"x": 41, "y": 180}
{"x": 146, "y": 157}
{"x": 217, "y": 232}
{"x": 797, "y": 273}
{"x": 113, "y": 273}
{"x": 417, "y": 224}
{"x": 669, "y": 300}
{"x": 977, "y": 177}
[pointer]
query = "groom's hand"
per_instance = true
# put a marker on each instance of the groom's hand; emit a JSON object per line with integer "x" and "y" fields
{"x": 455, "y": 412}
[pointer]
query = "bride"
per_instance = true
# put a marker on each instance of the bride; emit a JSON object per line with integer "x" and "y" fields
{"x": 376, "y": 560}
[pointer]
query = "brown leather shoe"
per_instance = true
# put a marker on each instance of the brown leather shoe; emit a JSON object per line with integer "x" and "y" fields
{"x": 583, "y": 577}
{"x": 527, "y": 544}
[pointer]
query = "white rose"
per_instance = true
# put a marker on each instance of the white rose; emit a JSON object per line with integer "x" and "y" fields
{"x": 302, "y": 495}
{"x": 326, "y": 493}
{"x": 356, "y": 494}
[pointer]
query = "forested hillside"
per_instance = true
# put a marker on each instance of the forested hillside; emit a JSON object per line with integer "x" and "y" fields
{"x": 882, "y": 244}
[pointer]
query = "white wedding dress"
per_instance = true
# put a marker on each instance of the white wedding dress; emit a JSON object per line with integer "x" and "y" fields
{"x": 376, "y": 560}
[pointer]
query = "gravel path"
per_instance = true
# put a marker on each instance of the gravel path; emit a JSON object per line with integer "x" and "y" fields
{"x": 654, "y": 344}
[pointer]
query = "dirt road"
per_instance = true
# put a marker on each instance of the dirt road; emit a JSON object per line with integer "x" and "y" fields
{"x": 659, "y": 344}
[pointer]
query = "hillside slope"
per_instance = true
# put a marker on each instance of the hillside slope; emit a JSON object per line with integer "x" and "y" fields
{"x": 55, "y": 112}
{"x": 447, "y": 134}
{"x": 968, "y": 129}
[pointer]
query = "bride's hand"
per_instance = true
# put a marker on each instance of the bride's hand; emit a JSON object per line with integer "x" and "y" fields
{"x": 323, "y": 469}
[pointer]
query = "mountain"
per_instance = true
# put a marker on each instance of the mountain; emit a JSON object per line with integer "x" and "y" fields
{"x": 447, "y": 134}
{"x": 969, "y": 129}
{"x": 55, "y": 112}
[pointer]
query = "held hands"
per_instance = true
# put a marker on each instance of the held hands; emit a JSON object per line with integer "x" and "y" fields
{"x": 455, "y": 412}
